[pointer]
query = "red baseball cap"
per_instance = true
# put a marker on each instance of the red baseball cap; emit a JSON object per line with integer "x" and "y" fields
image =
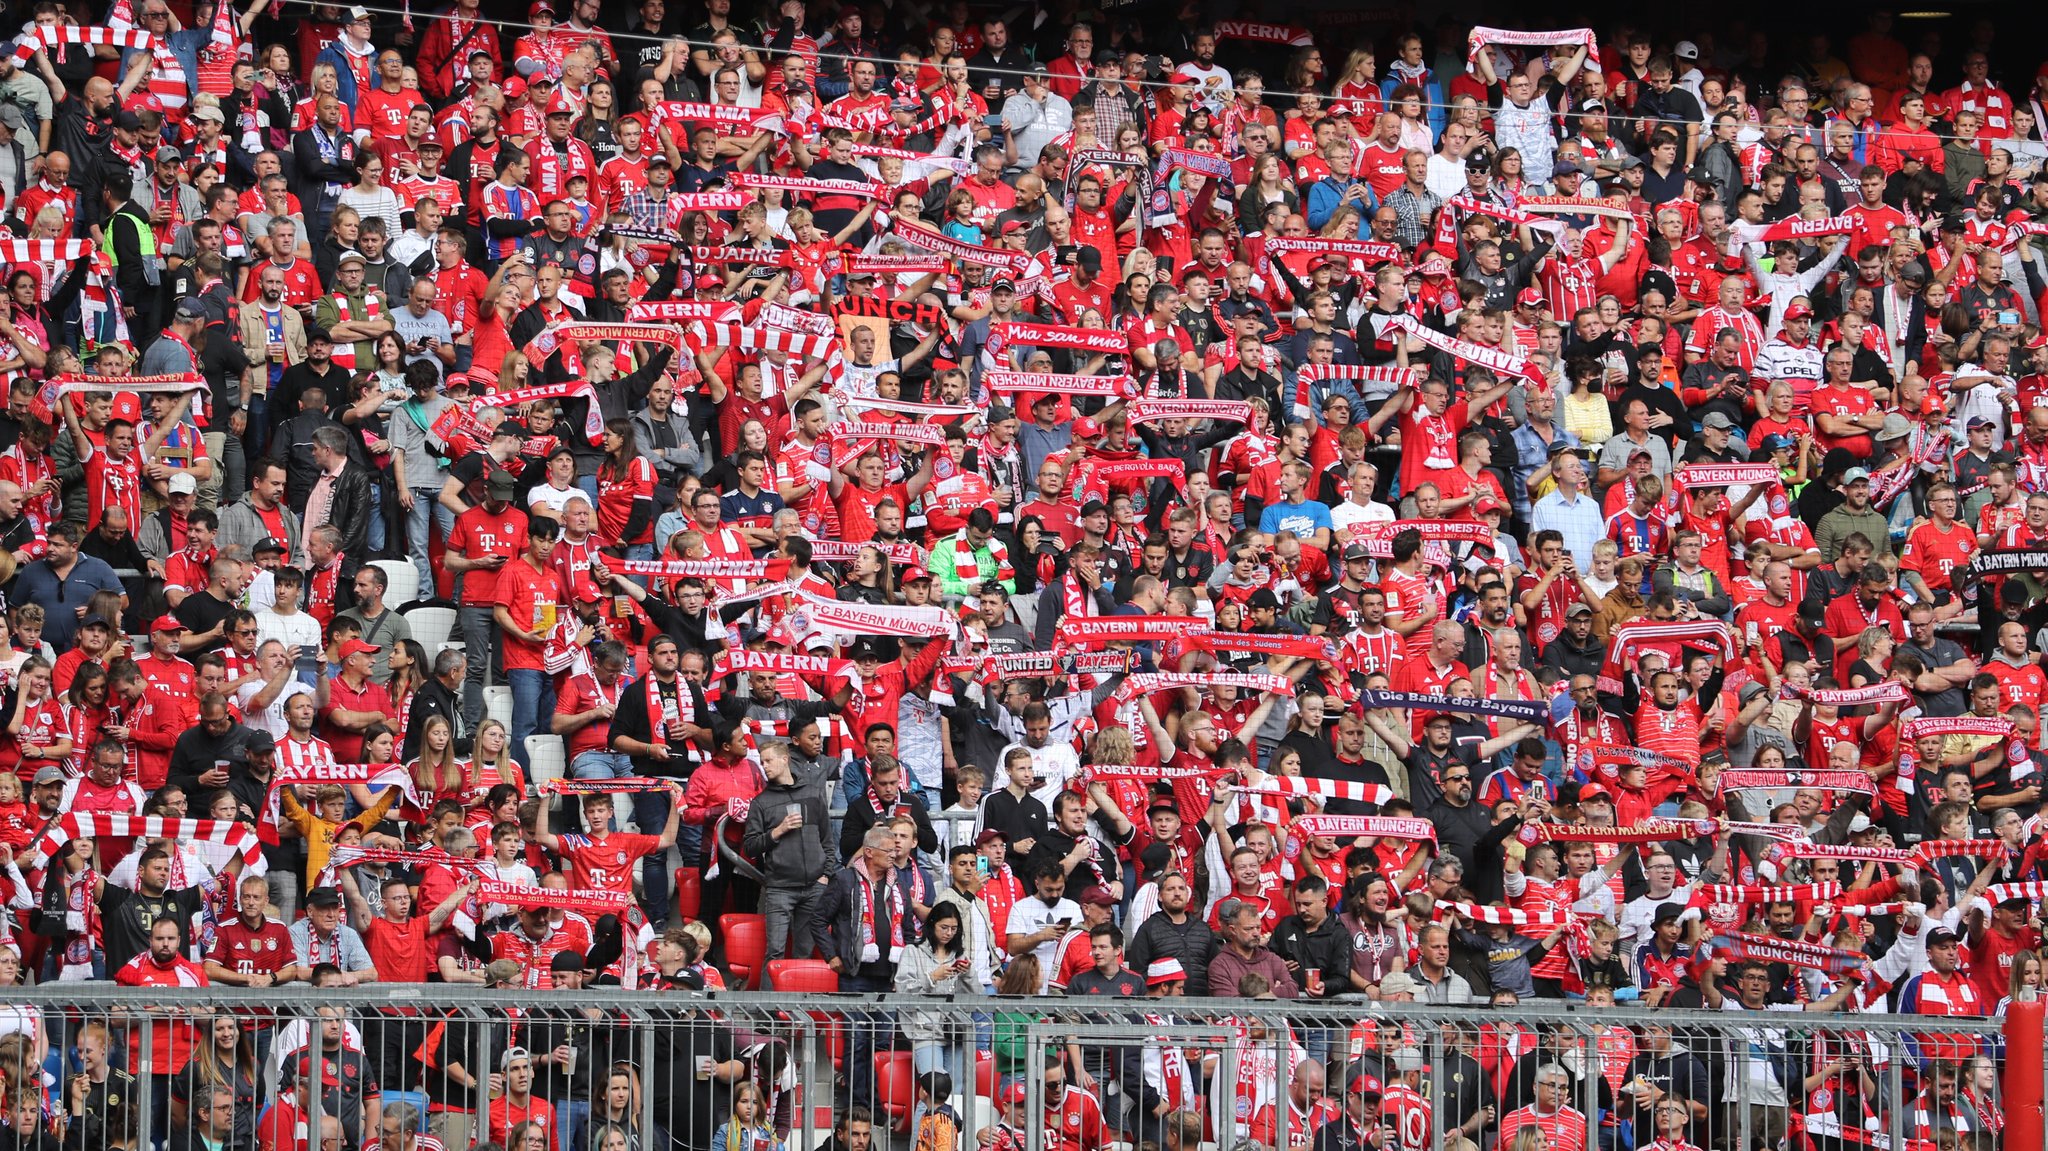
{"x": 1086, "y": 428}
{"x": 1530, "y": 298}
{"x": 358, "y": 647}
{"x": 167, "y": 622}
{"x": 1798, "y": 311}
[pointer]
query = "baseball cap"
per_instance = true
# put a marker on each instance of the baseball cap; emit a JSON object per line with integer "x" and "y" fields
{"x": 189, "y": 308}
{"x": 1578, "y": 609}
{"x": 1263, "y": 598}
{"x": 1569, "y": 167}
{"x": 503, "y": 484}
{"x": 1859, "y": 823}
{"x": 49, "y": 773}
{"x": 1093, "y": 507}
{"x": 1407, "y": 1059}
{"x": 167, "y": 622}
{"x": 1686, "y": 50}
{"x": 864, "y": 648}
{"x": 1357, "y": 551}
{"x": 915, "y": 574}
{"x": 1980, "y": 422}
{"x": 1484, "y": 505}
{"x": 988, "y": 836}
{"x": 1365, "y": 1084}
{"x": 358, "y": 14}
{"x": 1896, "y": 427}
{"x": 127, "y": 121}
{"x": 1086, "y": 428}
{"x": 350, "y": 256}
{"x": 1775, "y": 443}
{"x": 1798, "y": 311}
{"x": 1719, "y": 421}
{"x": 1940, "y": 936}
{"x": 1529, "y": 298}
{"x": 1588, "y": 792}
{"x": 94, "y": 621}
{"x": 1397, "y": 983}
{"x": 167, "y": 152}
{"x": 515, "y": 86}
{"x": 358, "y": 647}
{"x": 259, "y": 741}
{"x": 207, "y": 112}
{"x": 538, "y": 7}
{"x": 1002, "y": 284}
{"x": 324, "y": 897}
{"x": 267, "y": 544}
{"x": 183, "y": 484}
{"x": 1016, "y": 1093}
{"x": 1098, "y": 897}
{"x": 1855, "y": 474}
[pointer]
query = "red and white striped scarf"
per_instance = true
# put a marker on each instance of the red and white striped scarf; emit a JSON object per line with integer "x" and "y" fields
{"x": 1510, "y": 916}
{"x": 345, "y": 350}
{"x": 1751, "y": 894}
{"x": 116, "y": 825}
{"x": 1352, "y": 826}
{"x": 967, "y": 562}
{"x": 1305, "y": 786}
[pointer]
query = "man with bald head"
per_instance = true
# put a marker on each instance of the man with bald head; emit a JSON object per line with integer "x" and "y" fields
{"x": 17, "y": 534}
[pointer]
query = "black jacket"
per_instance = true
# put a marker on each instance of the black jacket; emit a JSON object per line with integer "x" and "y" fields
{"x": 861, "y": 815}
{"x": 434, "y": 698}
{"x": 352, "y": 508}
{"x": 836, "y": 930}
{"x": 1193, "y": 943}
{"x": 800, "y": 857}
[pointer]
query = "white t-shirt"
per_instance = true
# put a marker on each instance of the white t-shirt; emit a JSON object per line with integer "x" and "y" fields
{"x": 1030, "y": 915}
{"x": 270, "y": 719}
{"x": 298, "y": 632}
{"x": 555, "y": 499}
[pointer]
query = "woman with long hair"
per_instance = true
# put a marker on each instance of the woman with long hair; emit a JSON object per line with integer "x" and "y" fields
{"x": 24, "y": 326}
{"x": 491, "y": 762}
{"x": 436, "y": 772}
{"x": 1269, "y": 185}
{"x": 370, "y": 197}
{"x": 938, "y": 965}
{"x": 598, "y": 124}
{"x": 625, "y": 492}
{"x": 1357, "y": 87}
{"x": 1304, "y": 70}
{"x": 224, "y": 1057}
{"x": 87, "y": 708}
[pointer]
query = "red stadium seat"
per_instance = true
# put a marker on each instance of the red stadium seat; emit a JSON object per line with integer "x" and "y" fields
{"x": 985, "y": 1074}
{"x": 896, "y": 1088}
{"x": 746, "y": 948}
{"x": 799, "y": 975}
{"x": 689, "y": 893}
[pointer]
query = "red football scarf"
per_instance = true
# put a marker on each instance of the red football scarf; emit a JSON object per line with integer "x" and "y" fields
{"x": 1629, "y": 640}
{"x": 106, "y": 825}
{"x": 1754, "y": 778}
{"x": 839, "y": 551}
{"x": 1299, "y": 646}
{"x": 1107, "y": 341}
{"x": 1725, "y": 475}
{"x": 1745, "y": 947}
{"x": 1369, "y": 373}
{"x": 807, "y": 186}
{"x": 1372, "y": 252}
{"x": 173, "y": 382}
{"x": 1351, "y": 826}
{"x": 736, "y": 254}
{"x": 1003, "y": 380}
{"x": 94, "y": 35}
{"x": 885, "y": 264}
{"x": 1305, "y": 786}
{"x": 1933, "y": 849}
{"x": 1378, "y": 537}
{"x": 1287, "y": 34}
{"x": 935, "y": 241}
{"x": 684, "y": 312}
{"x": 1575, "y": 206}
{"x": 774, "y": 568}
{"x": 1749, "y": 894}
{"x": 585, "y": 902}
{"x": 1890, "y": 691}
{"x": 1655, "y": 831}
{"x": 1477, "y": 40}
{"x": 815, "y": 614}
{"x": 1146, "y": 683}
{"x": 296, "y": 774}
{"x": 1500, "y": 363}
{"x": 348, "y": 855}
{"x": 593, "y": 418}
{"x": 1998, "y": 893}
{"x": 733, "y": 660}
{"x": 1146, "y": 411}
{"x": 1793, "y": 229}
{"x": 622, "y": 784}
{"x": 1093, "y": 631}
{"x": 1507, "y": 916}
{"x": 44, "y": 251}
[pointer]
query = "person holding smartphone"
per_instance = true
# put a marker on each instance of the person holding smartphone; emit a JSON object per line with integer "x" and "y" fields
{"x": 938, "y": 965}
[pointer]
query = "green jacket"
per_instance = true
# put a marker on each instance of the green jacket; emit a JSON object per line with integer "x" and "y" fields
{"x": 989, "y": 559}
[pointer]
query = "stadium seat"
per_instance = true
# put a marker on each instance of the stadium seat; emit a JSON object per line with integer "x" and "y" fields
{"x": 985, "y": 1074}
{"x": 404, "y": 582}
{"x": 896, "y": 1088}
{"x": 418, "y": 1099}
{"x": 746, "y": 948}
{"x": 546, "y": 758}
{"x": 689, "y": 887}
{"x": 432, "y": 625}
{"x": 800, "y": 975}
{"x": 498, "y": 703}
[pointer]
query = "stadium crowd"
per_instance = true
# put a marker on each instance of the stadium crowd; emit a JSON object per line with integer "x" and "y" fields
{"x": 1068, "y": 504}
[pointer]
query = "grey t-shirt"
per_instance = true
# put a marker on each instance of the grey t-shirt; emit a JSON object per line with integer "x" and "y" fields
{"x": 409, "y": 426}
{"x": 411, "y": 327}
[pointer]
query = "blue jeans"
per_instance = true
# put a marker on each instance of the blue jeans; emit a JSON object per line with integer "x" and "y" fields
{"x": 602, "y": 765}
{"x": 650, "y": 811}
{"x": 571, "y": 1117}
{"x": 376, "y": 540}
{"x": 426, "y": 510}
{"x": 870, "y": 1031}
{"x": 533, "y": 706}
{"x": 257, "y": 437}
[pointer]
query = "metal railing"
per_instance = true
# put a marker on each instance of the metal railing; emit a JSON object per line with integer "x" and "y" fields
{"x": 1258, "y": 1071}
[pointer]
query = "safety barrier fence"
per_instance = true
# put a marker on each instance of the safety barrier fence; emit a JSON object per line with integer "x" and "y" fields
{"x": 412, "y": 1067}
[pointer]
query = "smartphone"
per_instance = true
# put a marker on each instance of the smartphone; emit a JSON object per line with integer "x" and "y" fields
{"x": 1067, "y": 253}
{"x": 993, "y": 121}
{"x": 1064, "y": 924}
{"x": 981, "y": 866}
{"x": 2009, "y": 319}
